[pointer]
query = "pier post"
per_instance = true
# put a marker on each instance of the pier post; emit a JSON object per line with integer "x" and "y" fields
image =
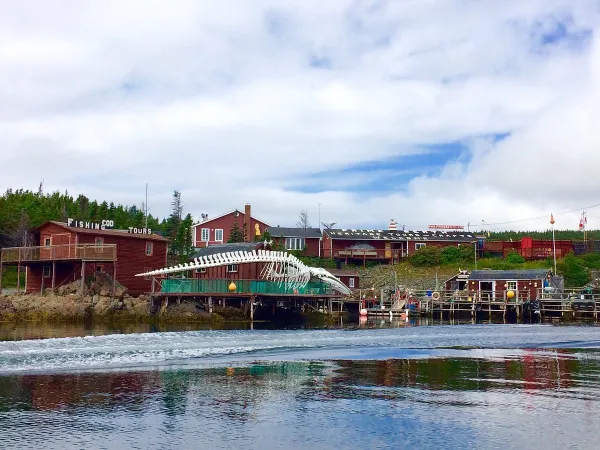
{"x": 210, "y": 309}
{"x": 251, "y": 309}
{"x": 82, "y": 277}
{"x": 53, "y": 275}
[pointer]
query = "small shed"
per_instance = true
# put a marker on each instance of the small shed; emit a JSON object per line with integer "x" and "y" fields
{"x": 350, "y": 278}
{"x": 457, "y": 282}
{"x": 494, "y": 284}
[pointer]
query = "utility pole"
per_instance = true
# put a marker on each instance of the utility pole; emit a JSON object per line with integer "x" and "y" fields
{"x": 146, "y": 212}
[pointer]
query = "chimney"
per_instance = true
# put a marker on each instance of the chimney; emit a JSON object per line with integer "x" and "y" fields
{"x": 247, "y": 222}
{"x": 392, "y": 226}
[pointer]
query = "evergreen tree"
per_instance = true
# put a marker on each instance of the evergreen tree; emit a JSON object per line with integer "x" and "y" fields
{"x": 235, "y": 234}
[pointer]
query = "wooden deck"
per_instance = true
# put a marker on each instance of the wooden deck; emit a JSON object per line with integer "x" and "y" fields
{"x": 69, "y": 252}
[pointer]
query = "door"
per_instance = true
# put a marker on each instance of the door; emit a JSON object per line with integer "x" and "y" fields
{"x": 61, "y": 242}
{"x": 486, "y": 290}
{"x": 388, "y": 250}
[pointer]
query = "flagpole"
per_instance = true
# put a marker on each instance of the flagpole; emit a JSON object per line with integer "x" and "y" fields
{"x": 553, "y": 242}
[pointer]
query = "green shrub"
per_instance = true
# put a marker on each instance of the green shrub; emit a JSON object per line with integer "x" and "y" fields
{"x": 575, "y": 273}
{"x": 514, "y": 258}
{"x": 428, "y": 256}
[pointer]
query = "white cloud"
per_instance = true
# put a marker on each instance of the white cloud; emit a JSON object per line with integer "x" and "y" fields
{"x": 219, "y": 100}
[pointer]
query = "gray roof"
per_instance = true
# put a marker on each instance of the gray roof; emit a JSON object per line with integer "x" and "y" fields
{"x": 294, "y": 232}
{"x": 399, "y": 235}
{"x": 223, "y": 248}
{"x": 509, "y": 275}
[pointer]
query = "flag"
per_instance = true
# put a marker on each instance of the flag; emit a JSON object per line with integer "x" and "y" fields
{"x": 551, "y": 219}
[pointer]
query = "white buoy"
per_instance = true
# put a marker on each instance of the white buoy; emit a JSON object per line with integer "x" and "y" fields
{"x": 363, "y": 312}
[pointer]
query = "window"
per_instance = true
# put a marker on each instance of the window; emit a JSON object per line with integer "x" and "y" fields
{"x": 351, "y": 282}
{"x": 100, "y": 268}
{"x": 47, "y": 242}
{"x": 47, "y": 272}
{"x": 511, "y": 285}
{"x": 205, "y": 234}
{"x": 419, "y": 245}
{"x": 99, "y": 241}
{"x": 294, "y": 244}
{"x": 202, "y": 270}
{"x": 219, "y": 235}
{"x": 146, "y": 270}
{"x": 149, "y": 248}
{"x": 232, "y": 268}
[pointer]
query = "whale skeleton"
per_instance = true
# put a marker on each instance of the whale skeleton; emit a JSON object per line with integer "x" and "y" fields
{"x": 280, "y": 267}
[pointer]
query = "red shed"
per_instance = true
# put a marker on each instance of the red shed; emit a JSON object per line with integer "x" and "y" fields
{"x": 350, "y": 278}
{"x": 216, "y": 231}
{"x": 63, "y": 252}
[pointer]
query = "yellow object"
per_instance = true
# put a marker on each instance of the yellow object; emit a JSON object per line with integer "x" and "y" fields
{"x": 469, "y": 299}
{"x": 256, "y": 229}
{"x": 232, "y": 287}
{"x": 510, "y": 294}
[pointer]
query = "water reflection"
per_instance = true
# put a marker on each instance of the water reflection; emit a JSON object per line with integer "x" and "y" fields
{"x": 396, "y": 403}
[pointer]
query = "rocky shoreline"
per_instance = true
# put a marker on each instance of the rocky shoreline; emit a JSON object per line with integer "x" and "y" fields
{"x": 100, "y": 304}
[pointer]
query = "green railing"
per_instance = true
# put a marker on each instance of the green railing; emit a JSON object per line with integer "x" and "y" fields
{"x": 221, "y": 286}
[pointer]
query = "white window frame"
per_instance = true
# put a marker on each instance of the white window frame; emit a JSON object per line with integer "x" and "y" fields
{"x": 351, "y": 282}
{"x": 232, "y": 268}
{"x": 512, "y": 283}
{"x": 48, "y": 242}
{"x": 201, "y": 270}
{"x": 151, "y": 246}
{"x": 419, "y": 245}
{"x": 205, "y": 237}
{"x": 294, "y": 243}
{"x": 217, "y": 232}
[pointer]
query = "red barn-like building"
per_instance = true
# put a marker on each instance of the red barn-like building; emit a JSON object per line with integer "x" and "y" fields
{"x": 64, "y": 252}
{"x": 216, "y": 231}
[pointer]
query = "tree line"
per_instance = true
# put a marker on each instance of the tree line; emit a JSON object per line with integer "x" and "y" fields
{"x": 22, "y": 210}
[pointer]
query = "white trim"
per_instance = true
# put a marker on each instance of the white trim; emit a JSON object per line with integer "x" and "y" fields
{"x": 231, "y": 268}
{"x": 420, "y": 245}
{"x": 351, "y": 282}
{"x": 221, "y": 230}
{"x": 194, "y": 235}
{"x": 202, "y": 239}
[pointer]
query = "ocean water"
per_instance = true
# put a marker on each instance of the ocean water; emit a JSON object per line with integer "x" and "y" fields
{"x": 443, "y": 386}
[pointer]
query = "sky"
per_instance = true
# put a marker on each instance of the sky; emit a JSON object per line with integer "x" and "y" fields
{"x": 481, "y": 113}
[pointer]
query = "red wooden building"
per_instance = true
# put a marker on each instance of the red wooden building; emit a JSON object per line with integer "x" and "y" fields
{"x": 308, "y": 240}
{"x": 529, "y": 248}
{"x": 65, "y": 252}
{"x": 386, "y": 245}
{"x": 350, "y": 278}
{"x": 495, "y": 284}
{"x": 216, "y": 230}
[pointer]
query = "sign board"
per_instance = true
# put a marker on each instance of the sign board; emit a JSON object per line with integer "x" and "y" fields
{"x": 446, "y": 227}
{"x": 134, "y": 230}
{"x": 102, "y": 225}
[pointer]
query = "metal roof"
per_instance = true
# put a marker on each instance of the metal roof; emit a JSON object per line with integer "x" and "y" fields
{"x": 509, "y": 275}
{"x": 223, "y": 248}
{"x": 294, "y": 232}
{"x": 400, "y": 235}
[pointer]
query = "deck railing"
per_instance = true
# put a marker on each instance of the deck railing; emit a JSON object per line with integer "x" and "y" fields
{"x": 90, "y": 252}
{"x": 370, "y": 254}
{"x": 221, "y": 286}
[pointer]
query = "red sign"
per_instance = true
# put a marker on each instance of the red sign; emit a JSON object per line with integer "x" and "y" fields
{"x": 446, "y": 227}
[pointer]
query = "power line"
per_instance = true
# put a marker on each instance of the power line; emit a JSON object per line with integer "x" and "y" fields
{"x": 542, "y": 217}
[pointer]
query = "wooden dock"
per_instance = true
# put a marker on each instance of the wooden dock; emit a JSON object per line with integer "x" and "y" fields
{"x": 569, "y": 304}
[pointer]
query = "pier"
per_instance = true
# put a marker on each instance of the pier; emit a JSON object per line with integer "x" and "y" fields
{"x": 579, "y": 303}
